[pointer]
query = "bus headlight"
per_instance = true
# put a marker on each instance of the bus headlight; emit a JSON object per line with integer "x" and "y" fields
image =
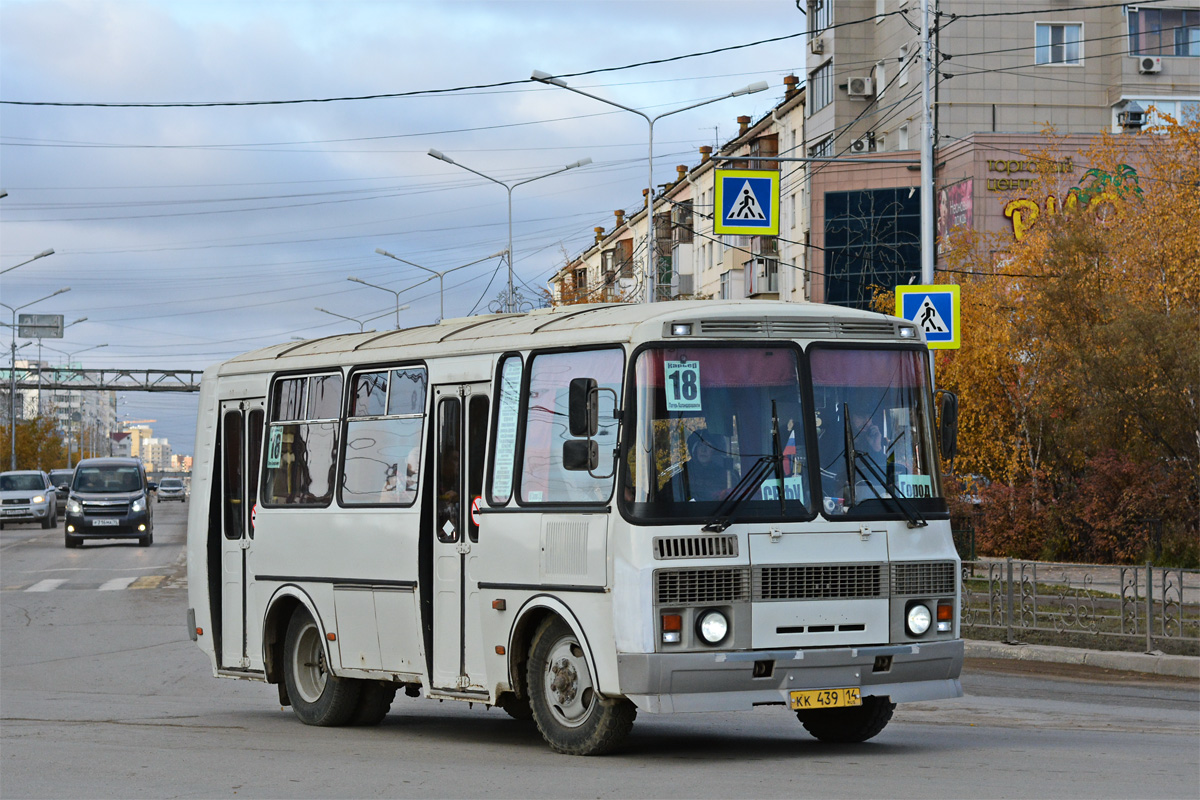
{"x": 917, "y": 619}
{"x": 712, "y": 626}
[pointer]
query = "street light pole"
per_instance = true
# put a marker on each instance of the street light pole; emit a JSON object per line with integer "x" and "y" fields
{"x": 508, "y": 303}
{"x": 359, "y": 323}
{"x": 440, "y": 275}
{"x": 42, "y": 254}
{"x": 12, "y": 395}
{"x": 399, "y": 307}
{"x": 650, "y": 279}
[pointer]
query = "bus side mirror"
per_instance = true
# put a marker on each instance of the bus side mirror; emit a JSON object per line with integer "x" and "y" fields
{"x": 583, "y": 413}
{"x": 581, "y": 455}
{"x": 948, "y": 427}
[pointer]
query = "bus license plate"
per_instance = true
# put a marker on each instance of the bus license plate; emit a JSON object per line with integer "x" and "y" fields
{"x": 826, "y": 698}
{"x": 112, "y": 522}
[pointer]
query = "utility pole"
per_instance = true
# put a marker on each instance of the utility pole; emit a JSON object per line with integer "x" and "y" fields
{"x": 928, "y": 142}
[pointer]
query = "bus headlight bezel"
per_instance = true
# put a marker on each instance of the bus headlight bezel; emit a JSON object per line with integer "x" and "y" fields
{"x": 712, "y": 626}
{"x": 917, "y": 618}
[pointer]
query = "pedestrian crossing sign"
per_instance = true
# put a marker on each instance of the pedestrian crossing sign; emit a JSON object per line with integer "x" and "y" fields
{"x": 934, "y": 309}
{"x": 747, "y": 202}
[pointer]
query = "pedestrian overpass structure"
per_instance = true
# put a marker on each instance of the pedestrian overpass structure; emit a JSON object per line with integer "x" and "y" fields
{"x": 81, "y": 379}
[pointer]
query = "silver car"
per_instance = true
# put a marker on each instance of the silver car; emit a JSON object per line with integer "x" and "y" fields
{"x": 28, "y": 496}
{"x": 171, "y": 489}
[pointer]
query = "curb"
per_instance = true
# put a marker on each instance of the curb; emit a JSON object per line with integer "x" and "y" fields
{"x": 1155, "y": 664}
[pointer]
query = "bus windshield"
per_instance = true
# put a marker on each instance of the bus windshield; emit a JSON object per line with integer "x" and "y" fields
{"x": 718, "y": 427}
{"x": 875, "y": 401}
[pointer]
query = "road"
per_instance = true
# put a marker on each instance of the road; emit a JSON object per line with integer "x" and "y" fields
{"x": 102, "y": 694}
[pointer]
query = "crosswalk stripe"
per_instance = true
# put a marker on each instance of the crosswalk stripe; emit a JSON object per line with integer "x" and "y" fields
{"x": 117, "y": 584}
{"x": 148, "y": 582}
{"x": 48, "y": 585}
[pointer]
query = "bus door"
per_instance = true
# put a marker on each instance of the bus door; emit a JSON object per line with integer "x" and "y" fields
{"x": 461, "y": 417}
{"x": 241, "y": 446}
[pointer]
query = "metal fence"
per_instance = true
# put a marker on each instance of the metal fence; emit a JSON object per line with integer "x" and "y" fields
{"x": 1131, "y": 602}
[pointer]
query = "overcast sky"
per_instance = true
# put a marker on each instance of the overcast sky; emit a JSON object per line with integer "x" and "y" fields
{"x": 191, "y": 234}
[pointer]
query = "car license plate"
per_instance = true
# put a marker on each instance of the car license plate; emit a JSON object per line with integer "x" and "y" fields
{"x": 12, "y": 512}
{"x": 102, "y": 522}
{"x": 826, "y": 698}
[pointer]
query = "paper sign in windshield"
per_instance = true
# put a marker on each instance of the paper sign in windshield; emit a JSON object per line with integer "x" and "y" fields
{"x": 683, "y": 385}
{"x": 793, "y": 488}
{"x": 914, "y": 485}
{"x": 275, "y": 448}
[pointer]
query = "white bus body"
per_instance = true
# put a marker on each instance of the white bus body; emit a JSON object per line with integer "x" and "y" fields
{"x": 393, "y": 510}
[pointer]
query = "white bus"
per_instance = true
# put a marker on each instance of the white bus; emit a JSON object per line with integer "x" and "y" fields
{"x": 581, "y": 513}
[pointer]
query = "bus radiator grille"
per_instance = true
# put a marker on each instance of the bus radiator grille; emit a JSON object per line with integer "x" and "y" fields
{"x": 685, "y": 587}
{"x": 923, "y": 578}
{"x": 820, "y": 581}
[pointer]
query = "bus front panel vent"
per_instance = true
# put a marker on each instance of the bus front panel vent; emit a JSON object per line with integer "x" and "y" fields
{"x": 923, "y": 578}
{"x": 714, "y": 546}
{"x": 696, "y": 587}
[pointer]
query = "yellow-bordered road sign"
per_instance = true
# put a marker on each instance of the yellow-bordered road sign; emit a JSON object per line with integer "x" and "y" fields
{"x": 933, "y": 309}
{"x": 747, "y": 202}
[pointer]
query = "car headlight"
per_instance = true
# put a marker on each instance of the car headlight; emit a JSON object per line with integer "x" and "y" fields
{"x": 138, "y": 505}
{"x": 712, "y": 626}
{"x": 918, "y": 619}
{"x": 41, "y": 498}
{"x": 74, "y": 506}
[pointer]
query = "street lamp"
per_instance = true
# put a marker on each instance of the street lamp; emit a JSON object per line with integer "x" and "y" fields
{"x": 359, "y": 323}
{"x": 443, "y": 157}
{"x": 441, "y": 275}
{"x": 12, "y": 395}
{"x": 399, "y": 307}
{"x": 42, "y": 254}
{"x": 70, "y": 399}
{"x": 650, "y": 282}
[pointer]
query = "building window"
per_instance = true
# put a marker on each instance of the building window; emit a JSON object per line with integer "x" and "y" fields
{"x": 1164, "y": 32}
{"x": 820, "y": 87}
{"x": 820, "y": 16}
{"x": 1058, "y": 43}
{"x": 823, "y": 149}
{"x": 872, "y": 243}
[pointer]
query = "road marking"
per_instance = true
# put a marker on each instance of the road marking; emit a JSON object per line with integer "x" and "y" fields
{"x": 48, "y": 585}
{"x": 148, "y": 582}
{"x": 116, "y": 584}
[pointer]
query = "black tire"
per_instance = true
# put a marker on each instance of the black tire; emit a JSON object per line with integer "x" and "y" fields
{"x": 318, "y": 696}
{"x": 516, "y": 707}
{"x": 847, "y": 725}
{"x": 71, "y": 541}
{"x": 147, "y": 540}
{"x": 373, "y": 703}
{"x": 572, "y": 716}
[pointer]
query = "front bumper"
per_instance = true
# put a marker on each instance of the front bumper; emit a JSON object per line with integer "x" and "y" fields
{"x": 670, "y": 682}
{"x": 25, "y": 514}
{"x": 120, "y": 527}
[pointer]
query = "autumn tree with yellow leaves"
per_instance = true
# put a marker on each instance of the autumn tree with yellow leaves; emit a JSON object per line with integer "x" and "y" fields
{"x": 1079, "y": 377}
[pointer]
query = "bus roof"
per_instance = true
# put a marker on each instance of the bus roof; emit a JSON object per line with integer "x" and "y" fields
{"x": 577, "y": 325}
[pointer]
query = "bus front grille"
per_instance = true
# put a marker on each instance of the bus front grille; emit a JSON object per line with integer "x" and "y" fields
{"x": 923, "y": 578}
{"x": 687, "y": 587}
{"x": 820, "y": 581}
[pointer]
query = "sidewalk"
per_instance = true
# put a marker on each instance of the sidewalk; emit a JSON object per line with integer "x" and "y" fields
{"x": 1179, "y": 666}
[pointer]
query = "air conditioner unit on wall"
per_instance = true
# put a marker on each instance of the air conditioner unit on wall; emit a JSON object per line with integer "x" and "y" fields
{"x": 818, "y": 45}
{"x": 860, "y": 87}
{"x": 1148, "y": 65}
{"x": 864, "y": 145}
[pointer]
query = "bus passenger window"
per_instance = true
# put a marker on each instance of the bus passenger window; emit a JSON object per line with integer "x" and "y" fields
{"x": 383, "y": 438}
{"x": 301, "y": 451}
{"x": 504, "y": 445}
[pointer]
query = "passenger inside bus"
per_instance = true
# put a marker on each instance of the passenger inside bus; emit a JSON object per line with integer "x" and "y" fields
{"x": 710, "y": 468}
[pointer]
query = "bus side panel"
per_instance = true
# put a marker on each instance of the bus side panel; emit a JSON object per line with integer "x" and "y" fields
{"x": 203, "y": 475}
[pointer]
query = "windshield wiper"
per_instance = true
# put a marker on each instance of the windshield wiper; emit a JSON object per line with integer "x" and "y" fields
{"x": 854, "y": 463}
{"x": 744, "y": 489}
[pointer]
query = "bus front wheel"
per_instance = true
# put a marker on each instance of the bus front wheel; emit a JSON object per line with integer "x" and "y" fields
{"x": 846, "y": 725}
{"x": 572, "y": 716}
{"x": 318, "y": 696}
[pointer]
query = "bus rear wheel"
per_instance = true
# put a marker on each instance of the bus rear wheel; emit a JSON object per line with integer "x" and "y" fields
{"x": 847, "y": 725}
{"x": 318, "y": 696}
{"x": 572, "y": 716}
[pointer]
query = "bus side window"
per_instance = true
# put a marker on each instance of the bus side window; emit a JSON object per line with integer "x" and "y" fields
{"x": 477, "y": 421}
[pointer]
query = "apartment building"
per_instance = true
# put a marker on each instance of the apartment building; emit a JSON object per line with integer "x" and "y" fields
{"x": 1004, "y": 75}
{"x": 689, "y": 259}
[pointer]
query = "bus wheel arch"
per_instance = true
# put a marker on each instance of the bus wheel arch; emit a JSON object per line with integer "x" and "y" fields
{"x": 529, "y": 618}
